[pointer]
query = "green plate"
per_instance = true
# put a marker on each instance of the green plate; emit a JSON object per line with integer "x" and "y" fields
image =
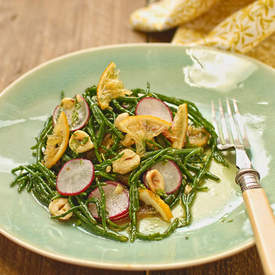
{"x": 220, "y": 227}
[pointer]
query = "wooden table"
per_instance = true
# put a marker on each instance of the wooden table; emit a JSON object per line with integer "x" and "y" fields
{"x": 34, "y": 31}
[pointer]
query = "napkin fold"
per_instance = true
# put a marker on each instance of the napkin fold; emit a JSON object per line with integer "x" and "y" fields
{"x": 167, "y": 14}
{"x": 242, "y": 26}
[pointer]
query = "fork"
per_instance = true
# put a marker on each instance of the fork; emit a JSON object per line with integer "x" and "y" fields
{"x": 232, "y": 135}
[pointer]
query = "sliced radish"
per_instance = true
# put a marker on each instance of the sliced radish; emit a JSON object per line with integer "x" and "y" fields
{"x": 171, "y": 174}
{"x": 75, "y": 177}
{"x": 82, "y": 111}
{"x": 154, "y": 107}
{"x": 117, "y": 203}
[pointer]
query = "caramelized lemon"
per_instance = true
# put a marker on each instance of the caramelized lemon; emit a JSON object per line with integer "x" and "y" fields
{"x": 57, "y": 142}
{"x": 150, "y": 198}
{"x": 110, "y": 86}
{"x": 142, "y": 128}
{"x": 180, "y": 126}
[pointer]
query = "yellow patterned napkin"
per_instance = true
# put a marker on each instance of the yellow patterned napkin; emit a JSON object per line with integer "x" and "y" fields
{"x": 244, "y": 26}
{"x": 167, "y": 14}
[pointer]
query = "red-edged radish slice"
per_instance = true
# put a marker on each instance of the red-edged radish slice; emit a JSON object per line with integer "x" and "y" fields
{"x": 77, "y": 116}
{"x": 171, "y": 174}
{"x": 117, "y": 203}
{"x": 154, "y": 107}
{"x": 75, "y": 177}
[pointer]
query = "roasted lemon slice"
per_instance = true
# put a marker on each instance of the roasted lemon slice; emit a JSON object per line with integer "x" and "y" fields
{"x": 57, "y": 142}
{"x": 110, "y": 87}
{"x": 150, "y": 198}
{"x": 180, "y": 126}
{"x": 142, "y": 128}
{"x": 178, "y": 131}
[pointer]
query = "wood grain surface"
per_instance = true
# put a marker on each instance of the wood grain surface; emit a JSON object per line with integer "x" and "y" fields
{"x": 34, "y": 31}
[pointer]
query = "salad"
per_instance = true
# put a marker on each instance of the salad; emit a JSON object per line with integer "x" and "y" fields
{"x": 110, "y": 156}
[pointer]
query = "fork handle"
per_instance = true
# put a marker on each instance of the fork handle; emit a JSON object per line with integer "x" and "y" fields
{"x": 260, "y": 215}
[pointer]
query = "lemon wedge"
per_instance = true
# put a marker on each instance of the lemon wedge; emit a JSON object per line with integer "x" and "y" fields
{"x": 150, "y": 198}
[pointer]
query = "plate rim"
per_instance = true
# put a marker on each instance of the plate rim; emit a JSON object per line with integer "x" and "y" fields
{"x": 128, "y": 267}
{"x": 116, "y": 266}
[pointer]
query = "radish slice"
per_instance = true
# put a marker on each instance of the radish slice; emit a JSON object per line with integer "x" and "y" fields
{"x": 77, "y": 117}
{"x": 171, "y": 174}
{"x": 117, "y": 203}
{"x": 154, "y": 107}
{"x": 75, "y": 177}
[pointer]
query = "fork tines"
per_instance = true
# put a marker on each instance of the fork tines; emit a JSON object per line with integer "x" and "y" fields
{"x": 229, "y": 125}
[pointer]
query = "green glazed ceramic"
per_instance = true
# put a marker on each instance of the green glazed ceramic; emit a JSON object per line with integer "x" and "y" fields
{"x": 220, "y": 226}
